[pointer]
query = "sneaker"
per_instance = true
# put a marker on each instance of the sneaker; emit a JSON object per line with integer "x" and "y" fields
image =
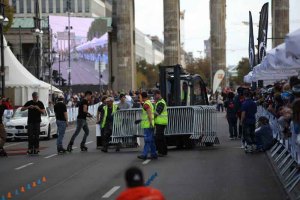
{"x": 83, "y": 148}
{"x": 61, "y": 150}
{"x": 3, "y": 153}
{"x": 142, "y": 157}
{"x": 36, "y": 151}
{"x": 248, "y": 149}
{"x": 30, "y": 151}
{"x": 69, "y": 148}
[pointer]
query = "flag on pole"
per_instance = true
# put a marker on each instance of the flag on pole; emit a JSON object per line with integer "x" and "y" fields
{"x": 263, "y": 32}
{"x": 252, "y": 61}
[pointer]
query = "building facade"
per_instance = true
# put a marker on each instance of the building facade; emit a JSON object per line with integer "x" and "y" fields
{"x": 148, "y": 48}
{"x": 79, "y": 8}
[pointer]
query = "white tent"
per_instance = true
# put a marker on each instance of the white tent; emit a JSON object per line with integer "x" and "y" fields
{"x": 292, "y": 41}
{"x": 20, "y": 83}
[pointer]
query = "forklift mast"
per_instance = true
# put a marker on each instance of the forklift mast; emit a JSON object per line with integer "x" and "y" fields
{"x": 171, "y": 80}
{"x": 164, "y": 72}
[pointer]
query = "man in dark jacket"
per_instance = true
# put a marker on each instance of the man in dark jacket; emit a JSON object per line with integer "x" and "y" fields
{"x": 35, "y": 109}
{"x": 231, "y": 115}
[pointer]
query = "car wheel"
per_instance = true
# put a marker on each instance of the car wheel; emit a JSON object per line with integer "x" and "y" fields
{"x": 49, "y": 133}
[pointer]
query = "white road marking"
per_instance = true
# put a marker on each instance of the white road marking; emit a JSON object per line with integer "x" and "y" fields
{"x": 146, "y": 162}
{"x": 110, "y": 192}
{"x": 51, "y": 156}
{"x": 72, "y": 129}
{"x": 74, "y": 147}
{"x": 23, "y": 166}
{"x": 89, "y": 142}
{"x": 14, "y": 144}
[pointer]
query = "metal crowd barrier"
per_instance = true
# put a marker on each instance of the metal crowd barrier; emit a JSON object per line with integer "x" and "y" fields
{"x": 197, "y": 121}
{"x": 125, "y": 131}
{"x": 73, "y": 112}
{"x": 285, "y": 153}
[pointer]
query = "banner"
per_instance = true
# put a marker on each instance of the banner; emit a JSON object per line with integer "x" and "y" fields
{"x": 219, "y": 76}
{"x": 252, "y": 61}
{"x": 263, "y": 32}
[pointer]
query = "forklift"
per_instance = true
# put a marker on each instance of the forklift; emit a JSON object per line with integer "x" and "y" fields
{"x": 180, "y": 88}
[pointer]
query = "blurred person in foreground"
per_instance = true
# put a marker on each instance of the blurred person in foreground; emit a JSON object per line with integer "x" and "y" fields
{"x": 3, "y": 135}
{"x": 136, "y": 190}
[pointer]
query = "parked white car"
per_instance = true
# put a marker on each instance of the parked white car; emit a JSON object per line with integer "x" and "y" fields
{"x": 16, "y": 127}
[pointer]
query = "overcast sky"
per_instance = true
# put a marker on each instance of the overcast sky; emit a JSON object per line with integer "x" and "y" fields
{"x": 149, "y": 19}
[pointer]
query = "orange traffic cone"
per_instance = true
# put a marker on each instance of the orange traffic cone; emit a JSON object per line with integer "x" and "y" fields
{"x": 9, "y": 196}
{"x": 34, "y": 184}
{"x": 44, "y": 179}
{"x": 22, "y": 189}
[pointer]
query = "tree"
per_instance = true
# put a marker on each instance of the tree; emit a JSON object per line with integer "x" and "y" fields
{"x": 147, "y": 74}
{"x": 201, "y": 67}
{"x": 97, "y": 29}
{"x": 9, "y": 13}
{"x": 242, "y": 70}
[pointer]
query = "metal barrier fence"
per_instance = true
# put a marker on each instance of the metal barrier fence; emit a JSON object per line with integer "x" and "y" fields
{"x": 197, "y": 121}
{"x": 285, "y": 153}
{"x": 73, "y": 112}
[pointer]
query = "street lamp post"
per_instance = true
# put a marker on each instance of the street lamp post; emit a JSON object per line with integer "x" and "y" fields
{"x": 38, "y": 32}
{"x": 69, "y": 45}
{"x": 3, "y": 21}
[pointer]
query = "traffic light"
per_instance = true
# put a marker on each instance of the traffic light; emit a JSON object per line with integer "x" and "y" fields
{"x": 63, "y": 82}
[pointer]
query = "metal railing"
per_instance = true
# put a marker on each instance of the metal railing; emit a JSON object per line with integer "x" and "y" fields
{"x": 198, "y": 122}
{"x": 285, "y": 153}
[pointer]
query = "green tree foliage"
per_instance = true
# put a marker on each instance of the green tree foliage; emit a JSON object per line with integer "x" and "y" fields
{"x": 201, "y": 67}
{"x": 243, "y": 69}
{"x": 9, "y": 13}
{"x": 97, "y": 29}
{"x": 147, "y": 74}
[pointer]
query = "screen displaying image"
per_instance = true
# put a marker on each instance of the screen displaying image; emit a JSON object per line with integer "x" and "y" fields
{"x": 88, "y": 49}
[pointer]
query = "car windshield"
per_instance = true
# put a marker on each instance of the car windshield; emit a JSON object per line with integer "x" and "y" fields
{"x": 19, "y": 114}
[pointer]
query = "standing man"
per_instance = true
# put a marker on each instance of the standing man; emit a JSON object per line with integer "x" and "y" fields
{"x": 35, "y": 109}
{"x": 147, "y": 124}
{"x": 123, "y": 105}
{"x": 81, "y": 122}
{"x": 249, "y": 109}
{"x": 99, "y": 133}
{"x": 231, "y": 115}
{"x": 107, "y": 119}
{"x": 161, "y": 122}
{"x": 61, "y": 115}
{"x": 3, "y": 135}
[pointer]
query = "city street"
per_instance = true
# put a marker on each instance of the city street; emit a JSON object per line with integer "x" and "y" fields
{"x": 220, "y": 172}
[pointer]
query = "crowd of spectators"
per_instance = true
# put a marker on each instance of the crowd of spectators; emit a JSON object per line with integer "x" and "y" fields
{"x": 282, "y": 100}
{"x": 133, "y": 98}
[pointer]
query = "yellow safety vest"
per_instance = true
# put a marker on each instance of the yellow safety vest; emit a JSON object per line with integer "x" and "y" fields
{"x": 145, "y": 122}
{"x": 162, "y": 119}
{"x": 105, "y": 108}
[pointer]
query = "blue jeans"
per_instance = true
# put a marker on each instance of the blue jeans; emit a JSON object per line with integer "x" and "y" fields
{"x": 149, "y": 142}
{"x": 61, "y": 129}
{"x": 81, "y": 124}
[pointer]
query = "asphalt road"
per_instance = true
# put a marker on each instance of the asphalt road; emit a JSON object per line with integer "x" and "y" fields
{"x": 222, "y": 172}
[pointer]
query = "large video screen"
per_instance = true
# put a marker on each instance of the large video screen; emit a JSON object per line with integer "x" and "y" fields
{"x": 88, "y": 49}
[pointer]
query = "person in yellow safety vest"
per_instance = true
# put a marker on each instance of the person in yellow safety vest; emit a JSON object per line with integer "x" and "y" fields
{"x": 106, "y": 122}
{"x": 161, "y": 122}
{"x": 147, "y": 124}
